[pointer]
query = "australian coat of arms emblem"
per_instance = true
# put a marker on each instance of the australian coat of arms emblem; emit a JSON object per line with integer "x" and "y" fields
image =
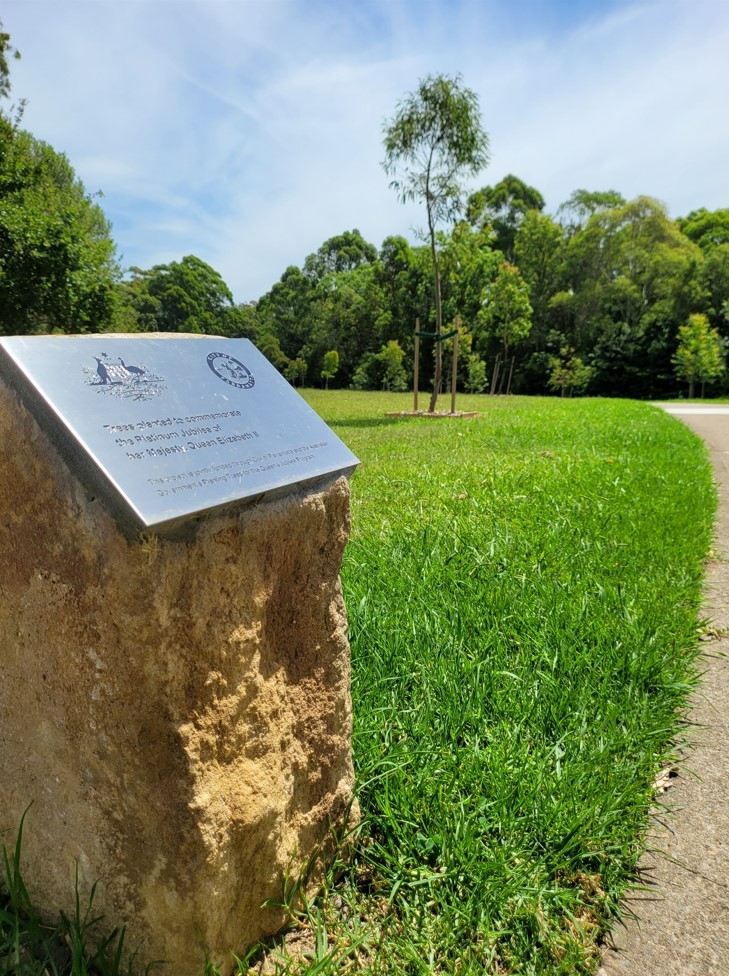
{"x": 118, "y": 378}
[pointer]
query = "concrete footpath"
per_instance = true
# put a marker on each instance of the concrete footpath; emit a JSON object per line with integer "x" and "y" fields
{"x": 682, "y": 926}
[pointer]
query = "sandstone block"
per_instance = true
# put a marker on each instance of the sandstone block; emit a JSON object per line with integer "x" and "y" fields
{"x": 176, "y": 708}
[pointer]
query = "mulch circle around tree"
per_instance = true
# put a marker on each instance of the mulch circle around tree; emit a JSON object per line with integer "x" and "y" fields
{"x": 435, "y": 414}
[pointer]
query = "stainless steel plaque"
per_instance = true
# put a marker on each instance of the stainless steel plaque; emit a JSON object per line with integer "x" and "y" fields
{"x": 175, "y": 425}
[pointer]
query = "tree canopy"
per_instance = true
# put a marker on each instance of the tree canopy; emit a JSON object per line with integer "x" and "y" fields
{"x": 699, "y": 357}
{"x": 57, "y": 259}
{"x": 506, "y": 311}
{"x": 503, "y": 207}
{"x": 6, "y": 51}
{"x": 708, "y": 229}
{"x": 606, "y": 295}
{"x": 182, "y": 296}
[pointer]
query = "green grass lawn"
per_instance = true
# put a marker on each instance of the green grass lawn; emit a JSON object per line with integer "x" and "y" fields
{"x": 522, "y": 591}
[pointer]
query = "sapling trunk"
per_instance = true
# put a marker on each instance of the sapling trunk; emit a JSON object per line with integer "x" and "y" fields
{"x": 438, "y": 377}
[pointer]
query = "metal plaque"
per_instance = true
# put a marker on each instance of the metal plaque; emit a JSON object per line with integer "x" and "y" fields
{"x": 175, "y": 425}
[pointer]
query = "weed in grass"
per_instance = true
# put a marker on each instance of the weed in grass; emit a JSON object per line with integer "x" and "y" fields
{"x": 24, "y": 941}
{"x": 73, "y": 947}
{"x": 92, "y": 955}
{"x": 311, "y": 901}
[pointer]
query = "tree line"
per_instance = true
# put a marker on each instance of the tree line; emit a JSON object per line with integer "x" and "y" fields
{"x": 606, "y": 296}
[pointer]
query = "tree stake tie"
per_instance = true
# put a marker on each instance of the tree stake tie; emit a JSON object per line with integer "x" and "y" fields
{"x": 438, "y": 336}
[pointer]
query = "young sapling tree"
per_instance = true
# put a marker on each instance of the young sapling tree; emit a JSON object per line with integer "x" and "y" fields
{"x": 435, "y": 140}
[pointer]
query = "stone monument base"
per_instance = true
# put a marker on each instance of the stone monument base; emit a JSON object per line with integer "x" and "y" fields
{"x": 176, "y": 709}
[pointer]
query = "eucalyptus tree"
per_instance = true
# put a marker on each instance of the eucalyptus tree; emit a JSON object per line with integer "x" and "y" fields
{"x": 539, "y": 254}
{"x": 287, "y": 310}
{"x": 468, "y": 263}
{"x": 343, "y": 252}
{"x": 329, "y": 366}
{"x": 629, "y": 276}
{"x": 707, "y": 228}
{"x": 710, "y": 231}
{"x": 713, "y": 276}
{"x": 568, "y": 373}
{"x": 270, "y": 347}
{"x": 506, "y": 313}
{"x": 699, "y": 357}
{"x": 401, "y": 280}
{"x": 434, "y": 140}
{"x": 182, "y": 296}
{"x": 295, "y": 371}
{"x": 504, "y": 207}
{"x": 584, "y": 204}
{"x": 349, "y": 314}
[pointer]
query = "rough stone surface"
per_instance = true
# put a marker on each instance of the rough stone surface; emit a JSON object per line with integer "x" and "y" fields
{"x": 681, "y": 923}
{"x": 177, "y": 710}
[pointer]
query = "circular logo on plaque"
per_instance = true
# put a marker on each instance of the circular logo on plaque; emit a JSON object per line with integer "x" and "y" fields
{"x": 231, "y": 371}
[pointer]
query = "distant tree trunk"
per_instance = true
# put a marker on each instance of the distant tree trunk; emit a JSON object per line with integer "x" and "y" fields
{"x": 511, "y": 373}
{"x": 495, "y": 377}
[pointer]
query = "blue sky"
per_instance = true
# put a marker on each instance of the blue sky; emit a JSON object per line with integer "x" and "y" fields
{"x": 247, "y": 132}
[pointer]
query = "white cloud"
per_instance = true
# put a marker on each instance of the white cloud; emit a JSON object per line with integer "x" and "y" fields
{"x": 249, "y": 132}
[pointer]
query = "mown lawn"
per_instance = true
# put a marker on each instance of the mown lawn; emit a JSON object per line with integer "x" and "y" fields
{"x": 522, "y": 591}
